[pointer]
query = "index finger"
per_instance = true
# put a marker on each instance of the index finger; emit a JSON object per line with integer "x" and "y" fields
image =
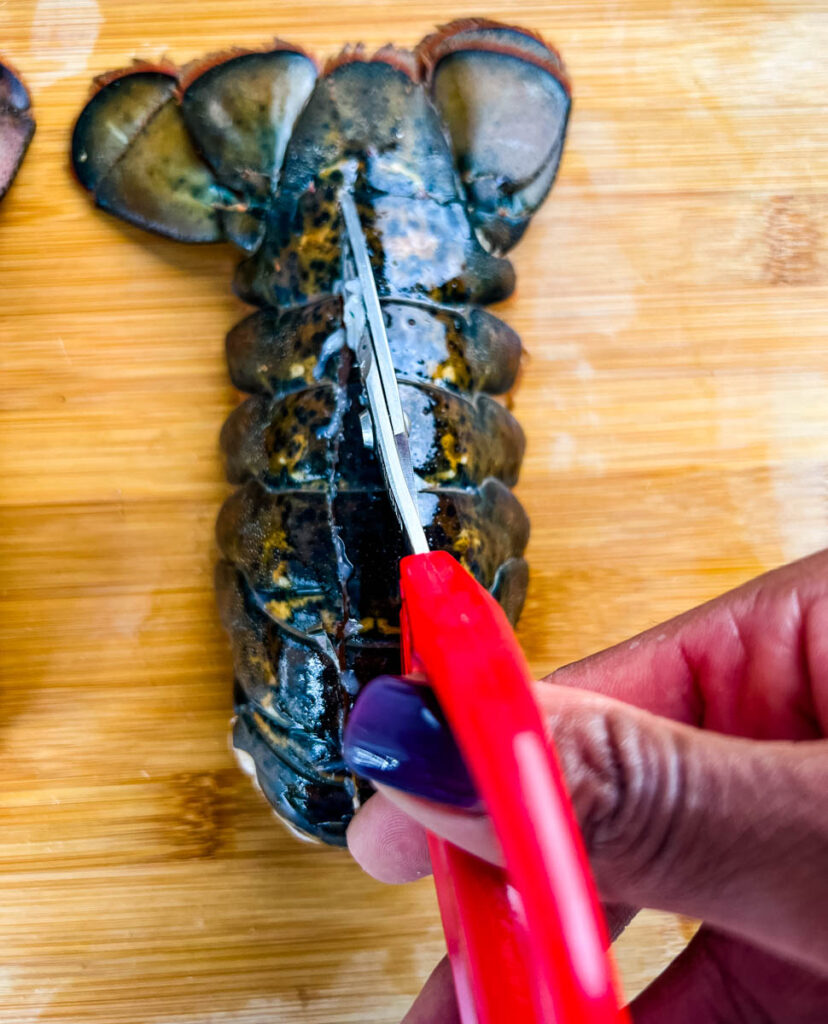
{"x": 753, "y": 662}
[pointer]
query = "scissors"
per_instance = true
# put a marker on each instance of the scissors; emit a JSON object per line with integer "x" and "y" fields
{"x": 526, "y": 942}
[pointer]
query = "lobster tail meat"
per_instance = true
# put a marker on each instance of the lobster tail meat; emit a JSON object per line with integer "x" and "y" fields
{"x": 16, "y": 126}
{"x": 490, "y": 83}
{"x": 441, "y": 151}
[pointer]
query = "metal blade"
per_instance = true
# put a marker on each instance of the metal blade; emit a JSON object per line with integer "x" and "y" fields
{"x": 374, "y": 355}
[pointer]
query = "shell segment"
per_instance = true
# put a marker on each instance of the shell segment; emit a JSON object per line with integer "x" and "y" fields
{"x": 461, "y": 348}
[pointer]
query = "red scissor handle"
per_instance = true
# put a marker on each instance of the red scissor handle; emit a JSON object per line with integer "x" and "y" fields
{"x": 527, "y": 945}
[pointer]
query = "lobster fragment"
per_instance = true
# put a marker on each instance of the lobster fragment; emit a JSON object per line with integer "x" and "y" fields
{"x": 448, "y": 152}
{"x": 16, "y": 126}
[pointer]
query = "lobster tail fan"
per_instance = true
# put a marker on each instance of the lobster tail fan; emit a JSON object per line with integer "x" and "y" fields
{"x": 241, "y": 107}
{"x": 131, "y": 150}
{"x": 504, "y": 97}
{"x": 16, "y": 126}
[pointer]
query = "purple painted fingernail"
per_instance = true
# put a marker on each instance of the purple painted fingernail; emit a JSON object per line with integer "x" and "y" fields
{"x": 397, "y": 735}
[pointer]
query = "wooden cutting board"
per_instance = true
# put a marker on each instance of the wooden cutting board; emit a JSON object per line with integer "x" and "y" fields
{"x": 672, "y": 296}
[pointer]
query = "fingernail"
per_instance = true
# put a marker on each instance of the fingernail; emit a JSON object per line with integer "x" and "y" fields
{"x": 396, "y": 734}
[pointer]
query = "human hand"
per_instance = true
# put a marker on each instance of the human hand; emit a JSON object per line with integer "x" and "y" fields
{"x": 696, "y": 759}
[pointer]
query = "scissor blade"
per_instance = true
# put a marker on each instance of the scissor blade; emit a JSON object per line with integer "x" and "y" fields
{"x": 374, "y": 355}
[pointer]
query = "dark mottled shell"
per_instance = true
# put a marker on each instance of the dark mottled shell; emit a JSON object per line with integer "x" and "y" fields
{"x": 419, "y": 247}
{"x": 455, "y": 440}
{"x": 253, "y": 147}
{"x": 16, "y": 126}
{"x": 460, "y": 348}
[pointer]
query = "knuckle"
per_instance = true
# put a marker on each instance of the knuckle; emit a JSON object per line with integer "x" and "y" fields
{"x": 627, "y": 782}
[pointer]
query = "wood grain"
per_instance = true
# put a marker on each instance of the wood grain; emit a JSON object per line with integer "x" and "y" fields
{"x": 672, "y": 297}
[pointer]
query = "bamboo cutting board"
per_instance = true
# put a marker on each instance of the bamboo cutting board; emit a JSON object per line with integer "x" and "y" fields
{"x": 672, "y": 296}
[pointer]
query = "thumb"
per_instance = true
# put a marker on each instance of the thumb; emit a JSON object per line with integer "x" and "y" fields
{"x": 729, "y": 830}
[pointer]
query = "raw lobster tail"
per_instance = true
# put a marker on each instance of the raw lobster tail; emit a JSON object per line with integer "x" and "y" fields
{"x": 16, "y": 126}
{"x": 448, "y": 151}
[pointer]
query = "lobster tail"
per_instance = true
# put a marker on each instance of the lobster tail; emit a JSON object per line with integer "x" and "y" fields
{"x": 16, "y": 126}
{"x": 493, "y": 83}
{"x": 255, "y": 148}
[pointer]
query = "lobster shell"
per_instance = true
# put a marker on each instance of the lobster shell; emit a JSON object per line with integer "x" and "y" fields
{"x": 16, "y": 126}
{"x": 449, "y": 150}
